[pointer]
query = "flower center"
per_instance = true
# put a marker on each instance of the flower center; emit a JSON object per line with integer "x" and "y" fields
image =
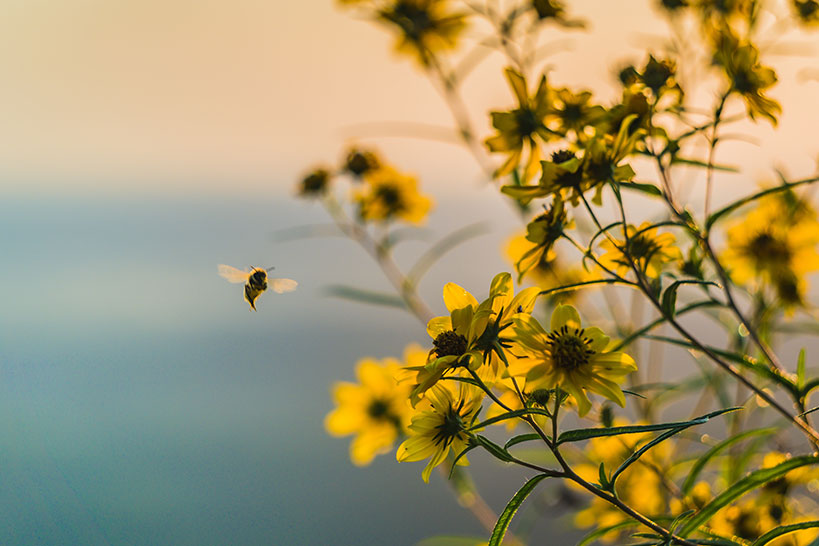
{"x": 570, "y": 348}
{"x": 378, "y": 409}
{"x": 527, "y": 121}
{"x": 769, "y": 250}
{"x": 642, "y": 247}
{"x": 451, "y": 427}
{"x": 391, "y": 198}
{"x": 449, "y": 343}
{"x": 415, "y": 21}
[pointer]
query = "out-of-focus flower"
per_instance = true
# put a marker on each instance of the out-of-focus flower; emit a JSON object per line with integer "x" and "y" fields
{"x": 360, "y": 161}
{"x": 315, "y": 184}
{"x": 572, "y": 358}
{"x": 747, "y": 77}
{"x": 573, "y": 112}
{"x": 807, "y": 11}
{"x": 775, "y": 244}
{"x": 441, "y": 427}
{"x": 376, "y": 409}
{"x": 425, "y": 27}
{"x": 523, "y": 127}
{"x": 650, "y": 251}
{"x": 388, "y": 194}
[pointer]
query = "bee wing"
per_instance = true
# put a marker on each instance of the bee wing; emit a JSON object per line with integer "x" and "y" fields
{"x": 280, "y": 286}
{"x": 232, "y": 274}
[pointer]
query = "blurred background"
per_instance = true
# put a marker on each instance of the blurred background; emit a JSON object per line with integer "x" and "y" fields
{"x": 141, "y": 144}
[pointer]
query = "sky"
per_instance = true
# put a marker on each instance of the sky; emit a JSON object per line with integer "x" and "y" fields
{"x": 213, "y": 96}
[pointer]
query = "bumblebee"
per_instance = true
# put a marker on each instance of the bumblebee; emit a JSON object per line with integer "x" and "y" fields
{"x": 256, "y": 281}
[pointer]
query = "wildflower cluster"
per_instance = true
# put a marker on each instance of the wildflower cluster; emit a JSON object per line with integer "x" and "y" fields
{"x": 726, "y": 283}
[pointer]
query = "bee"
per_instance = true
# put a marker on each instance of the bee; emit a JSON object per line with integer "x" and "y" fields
{"x": 256, "y": 281}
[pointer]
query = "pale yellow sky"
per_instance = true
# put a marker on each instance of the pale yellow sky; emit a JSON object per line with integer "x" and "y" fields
{"x": 213, "y": 94}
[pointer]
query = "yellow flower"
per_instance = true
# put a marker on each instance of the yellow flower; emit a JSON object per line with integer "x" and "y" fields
{"x": 376, "y": 410}
{"x": 775, "y": 244}
{"x": 315, "y": 184}
{"x": 425, "y": 27}
{"x": 747, "y": 77}
{"x": 572, "y": 358}
{"x": 650, "y": 250}
{"x": 360, "y": 161}
{"x": 545, "y": 269}
{"x": 442, "y": 427}
{"x": 454, "y": 339}
{"x": 522, "y": 127}
{"x": 471, "y": 331}
{"x": 807, "y": 11}
{"x": 389, "y": 194}
{"x": 573, "y": 112}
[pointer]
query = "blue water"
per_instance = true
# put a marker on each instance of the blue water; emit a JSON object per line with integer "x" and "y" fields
{"x": 142, "y": 403}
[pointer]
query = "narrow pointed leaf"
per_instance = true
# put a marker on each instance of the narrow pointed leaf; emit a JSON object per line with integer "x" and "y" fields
{"x": 784, "y": 530}
{"x": 506, "y": 516}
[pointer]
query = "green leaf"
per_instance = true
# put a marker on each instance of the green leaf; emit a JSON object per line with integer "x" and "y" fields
{"x": 669, "y": 302}
{"x": 784, "y": 530}
{"x": 444, "y": 540}
{"x": 494, "y": 449}
{"x": 640, "y": 452}
{"x": 581, "y": 434}
{"x": 800, "y": 370}
{"x": 576, "y": 286}
{"x": 748, "y": 483}
{"x": 506, "y": 516}
{"x": 604, "y": 480}
{"x": 469, "y": 447}
{"x": 510, "y": 415}
{"x": 520, "y": 439}
{"x": 649, "y": 189}
{"x": 699, "y": 465}
{"x": 745, "y": 200}
{"x": 365, "y": 296}
{"x": 704, "y": 164}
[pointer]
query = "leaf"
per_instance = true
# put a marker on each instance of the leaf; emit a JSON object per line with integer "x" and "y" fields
{"x": 469, "y": 447}
{"x": 751, "y": 481}
{"x": 510, "y": 415}
{"x": 506, "y": 516}
{"x": 669, "y": 302}
{"x": 649, "y": 189}
{"x": 446, "y": 540}
{"x": 579, "y": 285}
{"x": 494, "y": 449}
{"x": 365, "y": 296}
{"x": 784, "y": 530}
{"x": 697, "y": 163}
{"x": 581, "y": 434}
{"x": 800, "y": 370}
{"x": 604, "y": 480}
{"x": 640, "y": 452}
{"x": 745, "y": 200}
{"x": 520, "y": 439}
{"x": 699, "y": 465}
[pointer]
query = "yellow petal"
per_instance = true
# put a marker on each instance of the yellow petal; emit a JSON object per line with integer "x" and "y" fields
{"x": 565, "y": 315}
{"x": 456, "y": 297}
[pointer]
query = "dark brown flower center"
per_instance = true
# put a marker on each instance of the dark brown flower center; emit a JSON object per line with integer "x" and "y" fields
{"x": 449, "y": 343}
{"x": 570, "y": 348}
{"x": 527, "y": 121}
{"x": 769, "y": 249}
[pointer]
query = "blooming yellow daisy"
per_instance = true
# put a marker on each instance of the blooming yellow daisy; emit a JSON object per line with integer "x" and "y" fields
{"x": 522, "y": 127}
{"x": 441, "y": 427}
{"x": 651, "y": 251}
{"x": 388, "y": 194}
{"x": 571, "y": 357}
{"x": 376, "y": 409}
